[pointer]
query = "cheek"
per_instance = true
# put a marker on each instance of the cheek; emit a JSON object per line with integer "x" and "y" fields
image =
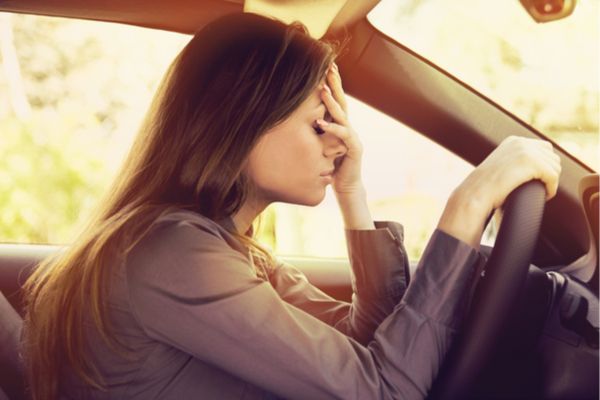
{"x": 280, "y": 168}
{"x": 286, "y": 164}
{"x": 295, "y": 151}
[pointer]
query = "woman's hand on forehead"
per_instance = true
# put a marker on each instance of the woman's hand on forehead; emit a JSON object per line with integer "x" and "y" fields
{"x": 334, "y": 82}
{"x": 347, "y": 177}
{"x": 335, "y": 103}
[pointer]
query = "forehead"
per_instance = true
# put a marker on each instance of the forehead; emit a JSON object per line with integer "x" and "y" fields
{"x": 309, "y": 106}
{"x": 314, "y": 99}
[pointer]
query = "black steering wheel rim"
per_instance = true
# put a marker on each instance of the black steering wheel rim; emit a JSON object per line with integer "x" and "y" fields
{"x": 506, "y": 271}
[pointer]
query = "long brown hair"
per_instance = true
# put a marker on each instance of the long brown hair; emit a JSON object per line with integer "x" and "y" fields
{"x": 239, "y": 76}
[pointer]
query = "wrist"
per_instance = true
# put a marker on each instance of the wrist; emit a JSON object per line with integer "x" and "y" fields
{"x": 354, "y": 209}
{"x": 464, "y": 217}
{"x": 475, "y": 190}
{"x": 355, "y": 192}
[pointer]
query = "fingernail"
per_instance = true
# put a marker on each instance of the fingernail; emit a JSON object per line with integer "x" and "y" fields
{"x": 322, "y": 122}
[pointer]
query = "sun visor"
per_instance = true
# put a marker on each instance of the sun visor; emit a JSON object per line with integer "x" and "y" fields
{"x": 317, "y": 15}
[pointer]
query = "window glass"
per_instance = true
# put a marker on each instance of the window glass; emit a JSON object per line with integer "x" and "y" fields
{"x": 73, "y": 94}
{"x": 545, "y": 73}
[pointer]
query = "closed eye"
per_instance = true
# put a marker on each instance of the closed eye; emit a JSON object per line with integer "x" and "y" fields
{"x": 327, "y": 117}
{"x": 318, "y": 129}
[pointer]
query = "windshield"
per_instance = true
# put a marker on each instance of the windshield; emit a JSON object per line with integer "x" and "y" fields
{"x": 545, "y": 73}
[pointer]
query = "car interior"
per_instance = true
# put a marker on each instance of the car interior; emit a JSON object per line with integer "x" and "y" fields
{"x": 532, "y": 330}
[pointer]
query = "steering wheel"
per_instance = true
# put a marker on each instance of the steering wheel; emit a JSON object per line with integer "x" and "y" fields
{"x": 505, "y": 273}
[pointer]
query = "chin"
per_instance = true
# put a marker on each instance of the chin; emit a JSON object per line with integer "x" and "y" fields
{"x": 317, "y": 199}
{"x": 314, "y": 203}
{"x": 305, "y": 199}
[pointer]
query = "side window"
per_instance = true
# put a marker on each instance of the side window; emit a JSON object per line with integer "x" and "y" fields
{"x": 72, "y": 94}
{"x": 408, "y": 179}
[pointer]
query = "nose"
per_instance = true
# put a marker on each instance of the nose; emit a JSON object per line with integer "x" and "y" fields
{"x": 333, "y": 147}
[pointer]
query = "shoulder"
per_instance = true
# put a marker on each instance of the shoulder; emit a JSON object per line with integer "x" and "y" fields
{"x": 184, "y": 261}
{"x": 180, "y": 218}
{"x": 179, "y": 228}
{"x": 185, "y": 249}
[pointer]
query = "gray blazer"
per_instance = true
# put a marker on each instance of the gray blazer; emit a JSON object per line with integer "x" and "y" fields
{"x": 198, "y": 323}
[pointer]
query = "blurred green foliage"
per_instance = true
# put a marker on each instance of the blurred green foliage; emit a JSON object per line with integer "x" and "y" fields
{"x": 48, "y": 175}
{"x": 46, "y": 180}
{"x": 60, "y": 152}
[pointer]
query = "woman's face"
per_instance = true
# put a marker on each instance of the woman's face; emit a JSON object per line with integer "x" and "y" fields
{"x": 291, "y": 160}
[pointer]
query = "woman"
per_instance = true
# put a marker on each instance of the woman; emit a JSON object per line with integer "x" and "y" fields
{"x": 167, "y": 295}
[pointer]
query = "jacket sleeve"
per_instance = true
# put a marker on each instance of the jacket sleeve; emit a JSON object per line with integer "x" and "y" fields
{"x": 213, "y": 307}
{"x": 379, "y": 273}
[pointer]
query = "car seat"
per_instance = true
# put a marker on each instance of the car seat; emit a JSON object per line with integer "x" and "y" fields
{"x": 12, "y": 382}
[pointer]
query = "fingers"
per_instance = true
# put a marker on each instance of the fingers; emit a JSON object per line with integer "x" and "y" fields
{"x": 334, "y": 108}
{"x": 334, "y": 81}
{"x": 333, "y": 95}
{"x": 549, "y": 166}
{"x": 533, "y": 159}
{"x": 336, "y": 129}
{"x": 553, "y": 165}
{"x": 553, "y": 160}
{"x": 548, "y": 173}
{"x": 346, "y": 135}
{"x": 335, "y": 101}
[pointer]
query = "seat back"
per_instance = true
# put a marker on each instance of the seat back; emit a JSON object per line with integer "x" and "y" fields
{"x": 16, "y": 264}
{"x": 12, "y": 381}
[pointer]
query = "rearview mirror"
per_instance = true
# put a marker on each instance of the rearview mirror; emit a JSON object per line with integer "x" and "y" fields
{"x": 548, "y": 10}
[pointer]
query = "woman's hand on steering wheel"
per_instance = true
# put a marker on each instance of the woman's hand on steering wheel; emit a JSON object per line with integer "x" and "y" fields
{"x": 515, "y": 161}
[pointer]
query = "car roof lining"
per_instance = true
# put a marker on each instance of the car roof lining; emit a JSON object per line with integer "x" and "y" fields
{"x": 182, "y": 16}
{"x": 188, "y": 16}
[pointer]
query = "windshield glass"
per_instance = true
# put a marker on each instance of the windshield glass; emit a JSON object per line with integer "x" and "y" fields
{"x": 545, "y": 73}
